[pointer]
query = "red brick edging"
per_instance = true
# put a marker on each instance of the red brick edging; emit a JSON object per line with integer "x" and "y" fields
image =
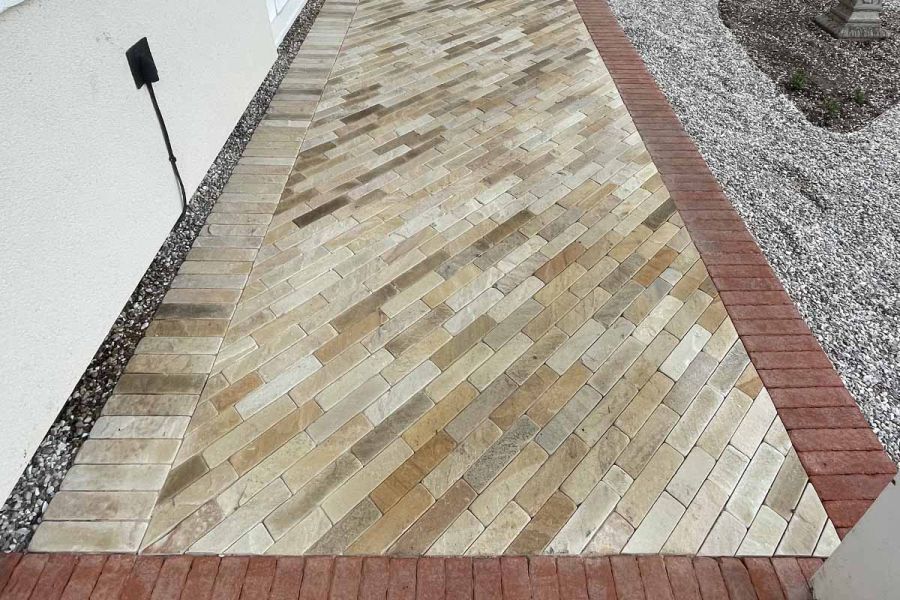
{"x": 845, "y": 461}
{"x": 111, "y": 577}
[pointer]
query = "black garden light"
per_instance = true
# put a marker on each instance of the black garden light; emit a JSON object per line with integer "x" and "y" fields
{"x": 143, "y": 69}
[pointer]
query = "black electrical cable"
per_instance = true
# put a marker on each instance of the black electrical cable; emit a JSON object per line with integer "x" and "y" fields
{"x": 172, "y": 159}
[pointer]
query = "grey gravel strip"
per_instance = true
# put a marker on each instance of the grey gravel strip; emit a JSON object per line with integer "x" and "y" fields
{"x": 22, "y": 511}
{"x": 824, "y": 207}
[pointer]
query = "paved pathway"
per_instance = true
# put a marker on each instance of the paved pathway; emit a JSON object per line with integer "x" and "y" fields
{"x": 468, "y": 318}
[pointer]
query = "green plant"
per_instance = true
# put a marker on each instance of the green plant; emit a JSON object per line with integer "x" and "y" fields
{"x": 860, "y": 96}
{"x": 832, "y": 108}
{"x": 797, "y": 81}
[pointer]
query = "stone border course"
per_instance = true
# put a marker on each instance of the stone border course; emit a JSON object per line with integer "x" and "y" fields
{"x": 135, "y": 442}
{"x": 844, "y": 459}
{"x": 41, "y": 479}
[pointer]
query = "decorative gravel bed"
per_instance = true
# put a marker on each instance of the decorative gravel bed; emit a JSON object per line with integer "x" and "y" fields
{"x": 824, "y": 206}
{"x": 839, "y": 84}
{"x": 21, "y": 513}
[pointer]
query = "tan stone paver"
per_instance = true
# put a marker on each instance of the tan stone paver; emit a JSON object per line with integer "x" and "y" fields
{"x": 445, "y": 306}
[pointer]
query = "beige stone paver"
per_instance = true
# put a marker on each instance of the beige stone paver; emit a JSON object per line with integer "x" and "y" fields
{"x": 444, "y": 306}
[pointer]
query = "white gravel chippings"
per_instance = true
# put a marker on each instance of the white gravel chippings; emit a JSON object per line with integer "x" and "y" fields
{"x": 21, "y": 513}
{"x": 824, "y": 207}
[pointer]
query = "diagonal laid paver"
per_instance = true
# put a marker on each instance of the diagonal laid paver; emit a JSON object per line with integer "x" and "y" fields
{"x": 450, "y": 306}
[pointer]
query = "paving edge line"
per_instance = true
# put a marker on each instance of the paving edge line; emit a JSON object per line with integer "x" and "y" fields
{"x": 844, "y": 459}
{"x": 107, "y": 577}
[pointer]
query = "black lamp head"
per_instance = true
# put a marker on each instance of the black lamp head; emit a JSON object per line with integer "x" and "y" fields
{"x": 143, "y": 67}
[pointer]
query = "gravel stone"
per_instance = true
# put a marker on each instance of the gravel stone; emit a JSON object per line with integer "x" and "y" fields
{"x": 824, "y": 206}
{"x": 21, "y": 513}
{"x": 783, "y": 39}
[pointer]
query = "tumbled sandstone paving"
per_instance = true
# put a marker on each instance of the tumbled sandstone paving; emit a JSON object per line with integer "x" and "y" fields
{"x": 465, "y": 319}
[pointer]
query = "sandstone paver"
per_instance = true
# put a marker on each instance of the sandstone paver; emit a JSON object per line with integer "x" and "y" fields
{"x": 446, "y": 305}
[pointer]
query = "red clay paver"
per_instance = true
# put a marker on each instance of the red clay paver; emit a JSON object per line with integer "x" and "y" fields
{"x": 816, "y": 409}
{"x": 430, "y": 579}
{"x": 765, "y": 581}
{"x": 140, "y": 583}
{"x": 709, "y": 577}
{"x": 8, "y": 564}
{"x": 682, "y": 578}
{"x": 376, "y": 575}
{"x": 202, "y": 577}
{"x": 515, "y": 580}
{"x": 171, "y": 578}
{"x": 796, "y": 378}
{"x": 85, "y": 579}
{"x": 55, "y": 576}
{"x": 316, "y": 578}
{"x": 825, "y": 417}
{"x": 792, "y": 580}
{"x": 847, "y": 462}
{"x": 809, "y": 566}
{"x": 544, "y": 584}
{"x": 487, "y": 579}
{"x": 627, "y": 576}
{"x": 230, "y": 578}
{"x": 347, "y": 575}
{"x": 459, "y": 578}
{"x": 25, "y": 577}
{"x": 850, "y": 487}
{"x": 288, "y": 578}
{"x": 844, "y": 513}
{"x": 772, "y": 312}
{"x": 737, "y": 579}
{"x": 789, "y": 360}
{"x": 600, "y": 582}
{"x": 402, "y": 584}
{"x": 260, "y": 575}
{"x": 779, "y": 343}
{"x": 572, "y": 581}
{"x": 654, "y": 577}
{"x": 812, "y": 398}
{"x": 823, "y": 440}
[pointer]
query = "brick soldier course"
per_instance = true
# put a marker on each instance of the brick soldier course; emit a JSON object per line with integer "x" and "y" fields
{"x": 70, "y": 577}
{"x": 471, "y": 291}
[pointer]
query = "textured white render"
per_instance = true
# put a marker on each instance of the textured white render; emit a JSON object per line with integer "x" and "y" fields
{"x": 86, "y": 191}
{"x": 282, "y": 14}
{"x": 4, "y": 4}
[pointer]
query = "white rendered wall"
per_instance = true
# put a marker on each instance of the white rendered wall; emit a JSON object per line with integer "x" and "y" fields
{"x": 866, "y": 566}
{"x": 4, "y": 4}
{"x": 86, "y": 191}
{"x": 282, "y": 14}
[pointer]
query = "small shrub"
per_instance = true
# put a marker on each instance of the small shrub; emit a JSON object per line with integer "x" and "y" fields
{"x": 797, "y": 81}
{"x": 860, "y": 96}
{"x": 832, "y": 108}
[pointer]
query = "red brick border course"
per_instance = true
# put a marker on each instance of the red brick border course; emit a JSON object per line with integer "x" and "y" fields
{"x": 845, "y": 461}
{"x": 101, "y": 577}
